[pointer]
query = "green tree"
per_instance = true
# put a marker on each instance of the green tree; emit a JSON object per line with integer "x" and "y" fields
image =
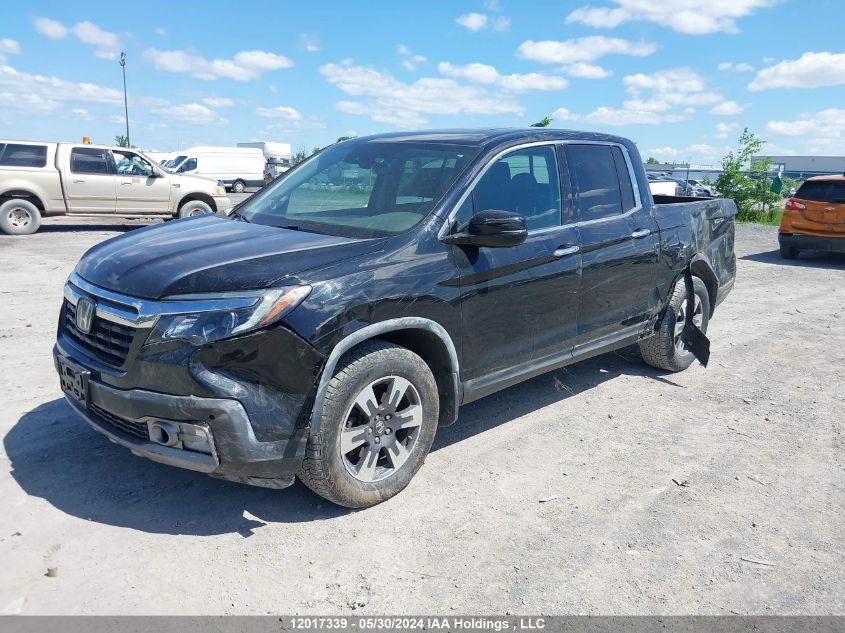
{"x": 298, "y": 156}
{"x": 747, "y": 183}
{"x": 121, "y": 141}
{"x": 544, "y": 122}
{"x": 652, "y": 161}
{"x": 340, "y": 139}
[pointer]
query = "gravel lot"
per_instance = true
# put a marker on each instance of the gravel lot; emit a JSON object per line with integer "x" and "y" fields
{"x": 605, "y": 488}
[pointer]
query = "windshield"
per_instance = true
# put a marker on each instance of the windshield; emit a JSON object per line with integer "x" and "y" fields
{"x": 173, "y": 163}
{"x": 361, "y": 189}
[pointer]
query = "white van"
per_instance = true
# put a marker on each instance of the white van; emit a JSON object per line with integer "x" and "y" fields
{"x": 236, "y": 167}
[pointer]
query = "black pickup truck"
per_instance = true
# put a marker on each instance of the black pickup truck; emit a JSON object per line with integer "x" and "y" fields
{"x": 330, "y": 323}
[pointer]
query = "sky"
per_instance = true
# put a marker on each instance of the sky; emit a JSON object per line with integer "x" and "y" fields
{"x": 682, "y": 78}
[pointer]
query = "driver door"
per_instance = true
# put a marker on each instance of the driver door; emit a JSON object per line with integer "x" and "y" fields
{"x": 141, "y": 188}
{"x": 519, "y": 304}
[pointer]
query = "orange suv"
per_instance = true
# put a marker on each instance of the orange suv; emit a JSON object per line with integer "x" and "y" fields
{"x": 814, "y": 218}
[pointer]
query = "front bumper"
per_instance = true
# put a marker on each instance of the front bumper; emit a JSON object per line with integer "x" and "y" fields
{"x": 812, "y": 242}
{"x": 223, "y": 203}
{"x": 234, "y": 451}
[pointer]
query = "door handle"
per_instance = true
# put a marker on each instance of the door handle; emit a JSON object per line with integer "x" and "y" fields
{"x": 78, "y": 180}
{"x": 563, "y": 251}
{"x": 126, "y": 182}
{"x": 641, "y": 233}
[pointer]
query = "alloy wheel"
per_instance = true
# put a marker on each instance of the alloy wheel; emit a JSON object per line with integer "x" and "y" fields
{"x": 697, "y": 318}
{"x": 381, "y": 428}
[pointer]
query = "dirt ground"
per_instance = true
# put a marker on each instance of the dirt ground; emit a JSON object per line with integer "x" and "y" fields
{"x": 605, "y": 488}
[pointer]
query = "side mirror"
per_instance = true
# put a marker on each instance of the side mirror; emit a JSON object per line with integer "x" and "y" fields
{"x": 492, "y": 228}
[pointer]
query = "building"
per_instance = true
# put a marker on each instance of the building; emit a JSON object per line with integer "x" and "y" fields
{"x": 685, "y": 171}
{"x": 803, "y": 167}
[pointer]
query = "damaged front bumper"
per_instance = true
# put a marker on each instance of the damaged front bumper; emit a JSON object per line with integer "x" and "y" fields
{"x": 236, "y": 408}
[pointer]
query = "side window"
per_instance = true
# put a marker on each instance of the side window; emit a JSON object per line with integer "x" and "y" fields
{"x": 596, "y": 181}
{"x": 90, "y": 160}
{"x": 130, "y": 164}
{"x": 524, "y": 182}
{"x": 14, "y": 155}
{"x": 626, "y": 187}
{"x": 189, "y": 165}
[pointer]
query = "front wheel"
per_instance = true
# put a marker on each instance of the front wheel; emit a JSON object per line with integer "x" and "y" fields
{"x": 19, "y": 217}
{"x": 788, "y": 252}
{"x": 378, "y": 423}
{"x": 665, "y": 349}
{"x": 239, "y": 186}
{"x": 194, "y": 207}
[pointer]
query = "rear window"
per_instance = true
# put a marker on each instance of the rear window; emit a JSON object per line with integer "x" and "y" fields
{"x": 596, "y": 179}
{"x": 14, "y": 155}
{"x": 822, "y": 191}
{"x": 90, "y": 160}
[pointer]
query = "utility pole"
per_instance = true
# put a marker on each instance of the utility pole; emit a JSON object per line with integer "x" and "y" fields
{"x": 125, "y": 102}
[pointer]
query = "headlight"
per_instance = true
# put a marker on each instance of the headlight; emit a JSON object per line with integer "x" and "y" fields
{"x": 212, "y": 322}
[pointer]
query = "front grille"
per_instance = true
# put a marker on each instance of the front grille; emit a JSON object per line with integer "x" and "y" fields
{"x": 135, "y": 429}
{"x": 107, "y": 341}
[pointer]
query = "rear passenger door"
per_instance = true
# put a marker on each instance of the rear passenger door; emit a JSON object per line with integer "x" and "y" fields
{"x": 518, "y": 304}
{"x": 619, "y": 245}
{"x": 90, "y": 185}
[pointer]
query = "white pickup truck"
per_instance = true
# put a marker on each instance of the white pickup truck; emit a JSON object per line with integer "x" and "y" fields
{"x": 41, "y": 179}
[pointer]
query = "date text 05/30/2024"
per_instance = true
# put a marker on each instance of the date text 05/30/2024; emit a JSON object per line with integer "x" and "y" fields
{"x": 440, "y": 623}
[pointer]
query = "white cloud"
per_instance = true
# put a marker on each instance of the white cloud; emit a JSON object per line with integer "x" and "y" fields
{"x": 586, "y": 71}
{"x": 615, "y": 116}
{"x": 492, "y": 5}
{"x": 117, "y": 118}
{"x": 9, "y": 47}
{"x": 685, "y": 16}
{"x": 727, "y": 108}
{"x": 107, "y": 44}
{"x": 161, "y": 31}
{"x": 52, "y": 29}
{"x": 723, "y": 130}
{"x": 410, "y": 60}
{"x": 830, "y": 123}
{"x": 309, "y": 42}
{"x": 472, "y": 21}
{"x": 280, "y": 112}
{"x": 21, "y": 90}
{"x": 502, "y": 23}
{"x": 699, "y": 152}
{"x": 741, "y": 67}
{"x": 218, "y": 102}
{"x": 811, "y": 70}
{"x": 388, "y": 100}
{"x": 582, "y": 49}
{"x": 485, "y": 74}
{"x": 189, "y": 113}
{"x": 81, "y": 113}
{"x": 244, "y": 66}
{"x": 562, "y": 114}
{"x": 666, "y": 96}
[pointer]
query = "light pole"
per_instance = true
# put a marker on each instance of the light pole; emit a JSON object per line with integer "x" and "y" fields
{"x": 125, "y": 102}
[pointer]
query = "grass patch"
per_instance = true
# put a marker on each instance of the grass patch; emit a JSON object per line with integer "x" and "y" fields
{"x": 761, "y": 217}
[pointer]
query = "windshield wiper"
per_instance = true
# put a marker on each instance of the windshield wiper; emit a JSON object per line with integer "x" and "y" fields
{"x": 239, "y": 215}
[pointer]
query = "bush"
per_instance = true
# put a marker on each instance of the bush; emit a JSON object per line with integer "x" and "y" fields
{"x": 749, "y": 189}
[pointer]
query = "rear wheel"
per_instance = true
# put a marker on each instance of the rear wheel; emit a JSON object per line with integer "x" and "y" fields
{"x": 665, "y": 349}
{"x": 378, "y": 423}
{"x": 19, "y": 217}
{"x": 239, "y": 186}
{"x": 788, "y": 252}
{"x": 194, "y": 207}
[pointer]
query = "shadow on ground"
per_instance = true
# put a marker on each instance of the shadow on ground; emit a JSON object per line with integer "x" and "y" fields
{"x": 68, "y": 227}
{"x": 58, "y": 457}
{"x": 814, "y": 259}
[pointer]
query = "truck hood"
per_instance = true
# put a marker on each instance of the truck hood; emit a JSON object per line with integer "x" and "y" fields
{"x": 210, "y": 254}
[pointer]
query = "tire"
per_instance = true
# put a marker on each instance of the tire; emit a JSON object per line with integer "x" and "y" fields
{"x": 19, "y": 216}
{"x": 372, "y": 471}
{"x": 194, "y": 207}
{"x": 664, "y": 349}
{"x": 788, "y": 252}
{"x": 239, "y": 186}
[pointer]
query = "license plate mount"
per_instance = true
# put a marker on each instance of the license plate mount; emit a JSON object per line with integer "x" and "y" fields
{"x": 74, "y": 380}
